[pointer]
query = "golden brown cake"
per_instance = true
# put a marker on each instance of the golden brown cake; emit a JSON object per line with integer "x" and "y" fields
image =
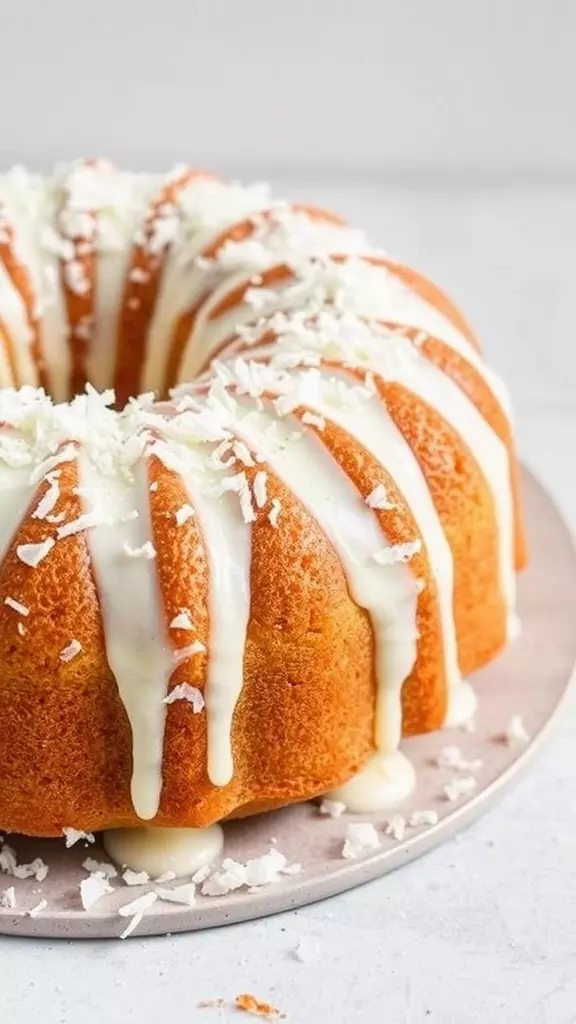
{"x": 246, "y": 594}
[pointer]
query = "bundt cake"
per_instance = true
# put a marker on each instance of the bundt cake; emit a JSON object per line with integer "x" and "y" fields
{"x": 241, "y": 588}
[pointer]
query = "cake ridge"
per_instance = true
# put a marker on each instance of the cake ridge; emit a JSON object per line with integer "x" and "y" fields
{"x": 329, "y": 375}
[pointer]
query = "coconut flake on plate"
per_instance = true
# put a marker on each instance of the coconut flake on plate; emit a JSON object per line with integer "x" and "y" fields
{"x": 361, "y": 837}
{"x": 331, "y": 808}
{"x": 94, "y": 888}
{"x": 396, "y": 827}
{"x": 460, "y": 787}
{"x": 452, "y": 757}
{"x": 258, "y": 871}
{"x": 74, "y": 835}
{"x": 135, "y": 877}
{"x": 104, "y": 867}
{"x": 515, "y": 733}
{"x": 184, "y": 894}
{"x": 417, "y": 819}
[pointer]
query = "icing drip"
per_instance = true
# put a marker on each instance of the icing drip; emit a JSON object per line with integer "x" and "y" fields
{"x": 384, "y": 782}
{"x": 204, "y": 209}
{"x": 135, "y": 633}
{"x": 388, "y": 592}
{"x": 369, "y": 423}
{"x": 14, "y": 320}
{"x": 228, "y": 540}
{"x": 394, "y": 358}
{"x": 354, "y": 287}
{"x": 159, "y": 850}
{"x": 117, "y": 225}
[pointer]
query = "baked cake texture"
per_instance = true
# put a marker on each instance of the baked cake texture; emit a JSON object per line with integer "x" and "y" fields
{"x": 246, "y": 593}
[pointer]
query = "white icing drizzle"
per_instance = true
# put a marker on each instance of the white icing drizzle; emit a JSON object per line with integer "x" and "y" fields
{"x": 394, "y": 358}
{"x": 15, "y": 321}
{"x": 28, "y": 203}
{"x": 356, "y": 287}
{"x": 6, "y": 375}
{"x": 116, "y": 227}
{"x": 237, "y": 260}
{"x": 16, "y": 497}
{"x": 181, "y": 851}
{"x": 369, "y": 423}
{"x": 228, "y": 544}
{"x": 205, "y": 208}
{"x": 384, "y": 782}
{"x": 387, "y": 592}
{"x": 399, "y": 361}
{"x": 135, "y": 633}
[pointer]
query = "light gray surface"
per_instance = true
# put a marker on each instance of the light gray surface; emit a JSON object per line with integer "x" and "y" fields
{"x": 330, "y": 85}
{"x": 480, "y": 930}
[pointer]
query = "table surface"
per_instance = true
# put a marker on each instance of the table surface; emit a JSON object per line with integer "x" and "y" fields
{"x": 485, "y": 926}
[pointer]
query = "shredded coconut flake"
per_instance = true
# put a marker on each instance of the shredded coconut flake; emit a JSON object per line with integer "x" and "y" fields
{"x": 35, "y": 911}
{"x": 198, "y": 877}
{"x": 135, "y": 877}
{"x": 166, "y": 876}
{"x": 312, "y": 420}
{"x": 33, "y": 554}
{"x": 515, "y": 733}
{"x": 397, "y": 552}
{"x": 74, "y": 835}
{"x": 452, "y": 757}
{"x": 16, "y": 606}
{"x": 361, "y": 837}
{"x": 139, "y": 276}
{"x": 396, "y": 827}
{"x": 76, "y": 278}
{"x": 146, "y": 550}
{"x": 184, "y": 513}
{"x": 419, "y": 818}
{"x": 460, "y": 787}
{"x": 86, "y": 521}
{"x": 70, "y": 651}
{"x": 9, "y": 865}
{"x": 181, "y": 621}
{"x": 8, "y": 898}
{"x": 135, "y": 910}
{"x": 242, "y": 453}
{"x": 274, "y": 512}
{"x": 94, "y": 888}
{"x": 132, "y": 925}
{"x": 254, "y": 873}
{"x": 100, "y": 867}
{"x": 183, "y": 691}
{"x": 185, "y": 894}
{"x": 260, "y": 496}
{"x": 379, "y": 499}
{"x": 49, "y": 498}
{"x": 332, "y": 808}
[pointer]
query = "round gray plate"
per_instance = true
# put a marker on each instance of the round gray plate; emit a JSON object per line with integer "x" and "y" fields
{"x": 530, "y": 679}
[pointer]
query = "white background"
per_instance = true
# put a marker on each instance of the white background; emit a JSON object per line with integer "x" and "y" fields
{"x": 362, "y": 86}
{"x": 448, "y": 129}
